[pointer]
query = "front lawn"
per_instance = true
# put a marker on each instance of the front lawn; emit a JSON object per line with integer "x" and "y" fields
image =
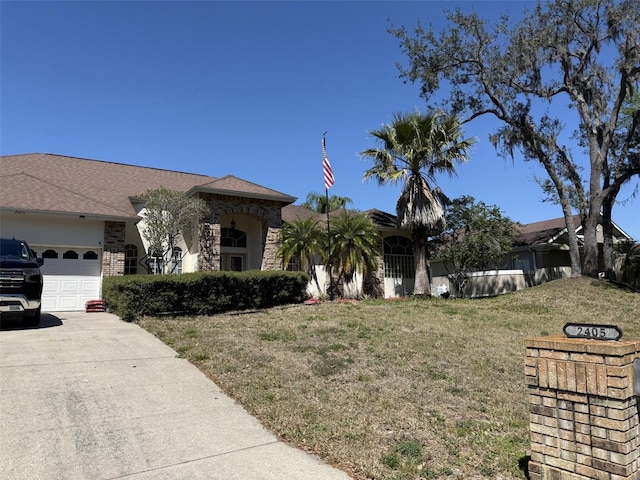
{"x": 396, "y": 390}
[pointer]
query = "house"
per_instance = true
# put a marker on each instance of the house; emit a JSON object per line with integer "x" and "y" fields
{"x": 84, "y": 217}
{"x": 540, "y": 253}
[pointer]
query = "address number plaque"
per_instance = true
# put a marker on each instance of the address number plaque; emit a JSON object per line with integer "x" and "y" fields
{"x": 592, "y": 332}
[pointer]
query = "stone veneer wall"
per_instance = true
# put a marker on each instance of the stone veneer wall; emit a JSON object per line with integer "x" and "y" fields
{"x": 270, "y": 259}
{"x": 267, "y": 211}
{"x": 113, "y": 249}
{"x": 583, "y": 411}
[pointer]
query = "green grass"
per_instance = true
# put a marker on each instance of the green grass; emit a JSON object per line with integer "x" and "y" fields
{"x": 415, "y": 389}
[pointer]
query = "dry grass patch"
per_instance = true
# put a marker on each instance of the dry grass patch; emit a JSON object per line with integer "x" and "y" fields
{"x": 416, "y": 389}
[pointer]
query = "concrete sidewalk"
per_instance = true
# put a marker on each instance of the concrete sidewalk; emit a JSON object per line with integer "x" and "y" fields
{"x": 87, "y": 396}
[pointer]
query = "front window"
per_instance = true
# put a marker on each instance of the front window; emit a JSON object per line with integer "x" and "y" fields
{"x": 156, "y": 263}
{"x": 521, "y": 263}
{"x": 294, "y": 264}
{"x": 231, "y": 237}
{"x": 176, "y": 261}
{"x": 130, "y": 259}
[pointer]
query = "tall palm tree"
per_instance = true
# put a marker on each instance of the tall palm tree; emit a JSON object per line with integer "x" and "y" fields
{"x": 318, "y": 202}
{"x": 303, "y": 239}
{"x": 355, "y": 245}
{"x": 413, "y": 149}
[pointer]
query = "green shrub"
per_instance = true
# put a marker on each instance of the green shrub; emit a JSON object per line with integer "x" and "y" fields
{"x": 201, "y": 293}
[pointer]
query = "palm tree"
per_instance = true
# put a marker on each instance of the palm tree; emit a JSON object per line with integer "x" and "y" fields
{"x": 355, "y": 245}
{"x": 414, "y": 148}
{"x": 303, "y": 239}
{"x": 318, "y": 202}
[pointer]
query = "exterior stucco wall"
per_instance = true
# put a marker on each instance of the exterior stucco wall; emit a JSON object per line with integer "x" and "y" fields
{"x": 52, "y": 230}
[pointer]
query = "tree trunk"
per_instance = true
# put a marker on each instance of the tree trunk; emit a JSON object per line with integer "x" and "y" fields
{"x": 422, "y": 285}
{"x": 574, "y": 250}
{"x": 590, "y": 265}
{"x": 607, "y": 233}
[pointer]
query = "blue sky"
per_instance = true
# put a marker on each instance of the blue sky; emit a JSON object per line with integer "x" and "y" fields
{"x": 239, "y": 88}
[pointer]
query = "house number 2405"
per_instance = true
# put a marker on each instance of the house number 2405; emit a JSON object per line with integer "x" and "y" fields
{"x": 594, "y": 332}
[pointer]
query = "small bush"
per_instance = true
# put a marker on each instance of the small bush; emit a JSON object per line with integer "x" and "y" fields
{"x": 201, "y": 293}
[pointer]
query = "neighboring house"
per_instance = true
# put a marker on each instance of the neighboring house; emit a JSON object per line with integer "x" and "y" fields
{"x": 83, "y": 217}
{"x": 540, "y": 253}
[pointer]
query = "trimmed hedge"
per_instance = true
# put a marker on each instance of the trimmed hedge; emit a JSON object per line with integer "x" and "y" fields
{"x": 201, "y": 293}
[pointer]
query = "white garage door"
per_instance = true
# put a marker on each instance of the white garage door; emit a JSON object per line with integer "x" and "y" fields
{"x": 71, "y": 277}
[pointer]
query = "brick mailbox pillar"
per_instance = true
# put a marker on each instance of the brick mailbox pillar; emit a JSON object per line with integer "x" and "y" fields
{"x": 583, "y": 409}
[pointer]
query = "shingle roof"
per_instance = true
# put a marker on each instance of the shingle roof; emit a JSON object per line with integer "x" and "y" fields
{"x": 55, "y": 183}
{"x": 230, "y": 185}
{"x": 382, "y": 219}
{"x": 541, "y": 232}
{"x": 296, "y": 212}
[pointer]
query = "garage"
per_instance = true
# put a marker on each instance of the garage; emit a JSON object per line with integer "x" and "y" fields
{"x": 71, "y": 277}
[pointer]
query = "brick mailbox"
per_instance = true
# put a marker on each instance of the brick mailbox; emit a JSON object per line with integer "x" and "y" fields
{"x": 583, "y": 408}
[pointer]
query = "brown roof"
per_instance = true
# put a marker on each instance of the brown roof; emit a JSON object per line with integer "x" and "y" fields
{"x": 382, "y": 220}
{"x": 541, "y": 232}
{"x": 55, "y": 183}
{"x": 296, "y": 212}
{"x": 230, "y": 185}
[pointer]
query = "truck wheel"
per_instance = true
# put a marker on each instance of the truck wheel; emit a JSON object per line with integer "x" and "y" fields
{"x": 33, "y": 319}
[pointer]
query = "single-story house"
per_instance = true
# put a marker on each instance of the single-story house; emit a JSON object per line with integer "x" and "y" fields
{"x": 540, "y": 253}
{"x": 83, "y": 217}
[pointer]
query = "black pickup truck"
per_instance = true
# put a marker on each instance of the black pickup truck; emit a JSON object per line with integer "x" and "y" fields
{"x": 20, "y": 281}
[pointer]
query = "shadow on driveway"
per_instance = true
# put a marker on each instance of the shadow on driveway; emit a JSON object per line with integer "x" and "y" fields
{"x": 47, "y": 320}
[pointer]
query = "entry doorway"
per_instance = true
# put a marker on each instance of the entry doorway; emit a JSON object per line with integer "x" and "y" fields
{"x": 233, "y": 262}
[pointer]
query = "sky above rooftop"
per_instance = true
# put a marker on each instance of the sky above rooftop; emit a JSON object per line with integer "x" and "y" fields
{"x": 241, "y": 88}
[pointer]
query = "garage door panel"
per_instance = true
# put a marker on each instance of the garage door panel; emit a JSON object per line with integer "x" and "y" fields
{"x": 70, "y": 282}
{"x": 68, "y": 293}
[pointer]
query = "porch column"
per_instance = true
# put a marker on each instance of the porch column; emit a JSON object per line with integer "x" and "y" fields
{"x": 270, "y": 260}
{"x": 209, "y": 243}
{"x": 113, "y": 249}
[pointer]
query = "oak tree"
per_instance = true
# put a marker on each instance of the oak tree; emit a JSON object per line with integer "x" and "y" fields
{"x": 565, "y": 62}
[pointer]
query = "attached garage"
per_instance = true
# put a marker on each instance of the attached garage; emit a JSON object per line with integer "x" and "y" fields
{"x": 72, "y": 276}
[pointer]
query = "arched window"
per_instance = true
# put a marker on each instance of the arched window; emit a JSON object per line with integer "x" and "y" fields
{"x": 397, "y": 245}
{"x": 398, "y": 257}
{"x": 49, "y": 254}
{"x": 130, "y": 259}
{"x": 70, "y": 255}
{"x": 90, "y": 255}
{"x": 232, "y": 237}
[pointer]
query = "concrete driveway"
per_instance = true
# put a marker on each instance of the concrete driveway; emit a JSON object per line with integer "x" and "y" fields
{"x": 87, "y": 396}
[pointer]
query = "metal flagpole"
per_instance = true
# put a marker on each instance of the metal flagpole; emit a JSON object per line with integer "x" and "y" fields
{"x": 331, "y": 295}
{"x": 328, "y": 182}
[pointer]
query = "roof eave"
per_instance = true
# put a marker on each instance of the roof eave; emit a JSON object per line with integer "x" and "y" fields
{"x": 286, "y": 199}
{"x": 95, "y": 216}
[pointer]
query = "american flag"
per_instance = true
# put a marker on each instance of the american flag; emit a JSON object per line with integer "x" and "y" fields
{"x": 326, "y": 167}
